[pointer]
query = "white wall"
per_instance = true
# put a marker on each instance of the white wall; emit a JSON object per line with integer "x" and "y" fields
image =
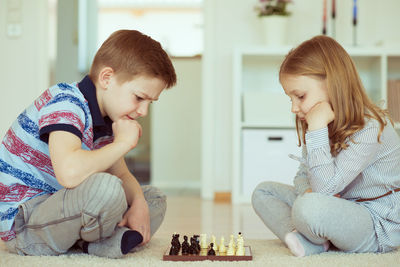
{"x": 228, "y": 25}
{"x": 70, "y": 48}
{"x": 175, "y": 129}
{"x": 24, "y": 65}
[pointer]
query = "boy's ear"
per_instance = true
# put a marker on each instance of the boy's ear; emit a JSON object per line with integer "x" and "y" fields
{"x": 105, "y": 76}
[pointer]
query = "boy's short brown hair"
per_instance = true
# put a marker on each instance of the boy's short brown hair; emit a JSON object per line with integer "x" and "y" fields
{"x": 130, "y": 53}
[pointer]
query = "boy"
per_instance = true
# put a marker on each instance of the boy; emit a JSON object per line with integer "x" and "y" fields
{"x": 63, "y": 177}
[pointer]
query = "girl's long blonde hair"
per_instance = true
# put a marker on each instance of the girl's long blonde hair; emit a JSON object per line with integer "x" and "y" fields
{"x": 322, "y": 56}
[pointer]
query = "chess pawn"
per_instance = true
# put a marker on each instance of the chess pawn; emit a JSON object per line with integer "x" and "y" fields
{"x": 203, "y": 241}
{"x": 232, "y": 242}
{"x": 213, "y": 240}
{"x": 211, "y": 252}
{"x": 222, "y": 248}
{"x": 231, "y": 250}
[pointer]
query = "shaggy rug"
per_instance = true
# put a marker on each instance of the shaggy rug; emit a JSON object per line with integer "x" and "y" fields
{"x": 265, "y": 253}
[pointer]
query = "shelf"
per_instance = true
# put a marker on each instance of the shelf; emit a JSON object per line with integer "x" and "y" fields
{"x": 260, "y": 105}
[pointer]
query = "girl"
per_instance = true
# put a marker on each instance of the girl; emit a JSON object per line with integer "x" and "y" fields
{"x": 346, "y": 191}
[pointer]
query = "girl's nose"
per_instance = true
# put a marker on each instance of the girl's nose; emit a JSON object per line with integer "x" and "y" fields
{"x": 295, "y": 108}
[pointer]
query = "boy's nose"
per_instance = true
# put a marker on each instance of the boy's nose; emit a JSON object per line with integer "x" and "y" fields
{"x": 142, "y": 110}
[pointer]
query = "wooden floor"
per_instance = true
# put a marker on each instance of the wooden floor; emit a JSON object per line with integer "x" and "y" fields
{"x": 189, "y": 214}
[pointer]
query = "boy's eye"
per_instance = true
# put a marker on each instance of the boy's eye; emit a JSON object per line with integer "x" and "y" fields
{"x": 139, "y": 98}
{"x": 300, "y": 96}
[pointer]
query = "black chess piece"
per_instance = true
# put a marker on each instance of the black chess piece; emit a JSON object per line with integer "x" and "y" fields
{"x": 176, "y": 240}
{"x": 211, "y": 252}
{"x": 197, "y": 239}
{"x": 175, "y": 245}
{"x": 193, "y": 247}
{"x": 185, "y": 246}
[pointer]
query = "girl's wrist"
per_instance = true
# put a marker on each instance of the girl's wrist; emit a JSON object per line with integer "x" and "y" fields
{"x": 316, "y": 126}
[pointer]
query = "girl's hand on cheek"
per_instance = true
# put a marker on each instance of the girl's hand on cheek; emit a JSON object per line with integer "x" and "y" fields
{"x": 319, "y": 116}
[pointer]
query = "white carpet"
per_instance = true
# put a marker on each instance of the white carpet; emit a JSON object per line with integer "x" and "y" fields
{"x": 265, "y": 253}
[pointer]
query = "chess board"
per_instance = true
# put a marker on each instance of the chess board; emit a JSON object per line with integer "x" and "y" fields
{"x": 248, "y": 256}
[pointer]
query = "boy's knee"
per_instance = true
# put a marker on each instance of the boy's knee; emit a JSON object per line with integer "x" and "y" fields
{"x": 106, "y": 189}
{"x": 155, "y": 198}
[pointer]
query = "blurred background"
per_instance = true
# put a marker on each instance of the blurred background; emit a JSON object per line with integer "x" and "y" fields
{"x": 187, "y": 142}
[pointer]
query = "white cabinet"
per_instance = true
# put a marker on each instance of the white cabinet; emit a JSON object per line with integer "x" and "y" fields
{"x": 261, "y": 110}
{"x": 265, "y": 157}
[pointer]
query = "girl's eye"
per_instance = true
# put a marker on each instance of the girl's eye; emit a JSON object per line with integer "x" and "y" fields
{"x": 139, "y": 98}
{"x": 300, "y": 97}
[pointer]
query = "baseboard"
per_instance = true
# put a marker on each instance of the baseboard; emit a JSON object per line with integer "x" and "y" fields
{"x": 223, "y": 197}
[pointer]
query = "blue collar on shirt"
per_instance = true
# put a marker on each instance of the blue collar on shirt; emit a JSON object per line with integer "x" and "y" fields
{"x": 101, "y": 126}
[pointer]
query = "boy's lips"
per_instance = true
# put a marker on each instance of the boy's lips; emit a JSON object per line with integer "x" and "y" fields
{"x": 129, "y": 117}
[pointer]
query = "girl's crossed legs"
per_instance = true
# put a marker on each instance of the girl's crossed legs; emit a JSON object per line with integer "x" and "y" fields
{"x": 317, "y": 217}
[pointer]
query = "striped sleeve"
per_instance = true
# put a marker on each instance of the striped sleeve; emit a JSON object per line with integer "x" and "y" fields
{"x": 301, "y": 181}
{"x": 63, "y": 112}
{"x": 330, "y": 175}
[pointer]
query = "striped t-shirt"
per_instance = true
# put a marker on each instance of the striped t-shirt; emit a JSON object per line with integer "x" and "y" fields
{"x": 25, "y": 165}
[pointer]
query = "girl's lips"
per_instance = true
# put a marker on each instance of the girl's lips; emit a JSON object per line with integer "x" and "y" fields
{"x": 129, "y": 117}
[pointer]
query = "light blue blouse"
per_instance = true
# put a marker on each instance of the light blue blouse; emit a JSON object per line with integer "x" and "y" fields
{"x": 366, "y": 169}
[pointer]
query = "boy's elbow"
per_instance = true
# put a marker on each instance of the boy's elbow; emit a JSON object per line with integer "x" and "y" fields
{"x": 67, "y": 178}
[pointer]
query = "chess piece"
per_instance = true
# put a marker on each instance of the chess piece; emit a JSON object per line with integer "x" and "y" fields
{"x": 232, "y": 242}
{"x": 240, "y": 245}
{"x": 203, "y": 241}
{"x": 231, "y": 250}
{"x": 221, "y": 247}
{"x": 214, "y": 241}
{"x": 193, "y": 246}
{"x": 185, "y": 245}
{"x": 175, "y": 245}
{"x": 211, "y": 252}
{"x": 196, "y": 237}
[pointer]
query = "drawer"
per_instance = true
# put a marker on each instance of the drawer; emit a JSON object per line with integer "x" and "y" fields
{"x": 265, "y": 157}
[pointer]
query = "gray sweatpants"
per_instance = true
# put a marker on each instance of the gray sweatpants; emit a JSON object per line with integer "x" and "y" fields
{"x": 347, "y": 225}
{"x": 51, "y": 224}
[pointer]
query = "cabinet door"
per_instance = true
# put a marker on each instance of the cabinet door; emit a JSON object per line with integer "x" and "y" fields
{"x": 265, "y": 157}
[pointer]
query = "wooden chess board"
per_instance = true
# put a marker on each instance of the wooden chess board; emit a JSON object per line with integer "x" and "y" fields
{"x": 248, "y": 256}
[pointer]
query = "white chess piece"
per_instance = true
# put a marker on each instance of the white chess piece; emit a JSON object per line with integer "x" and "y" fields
{"x": 231, "y": 250}
{"x": 214, "y": 241}
{"x": 222, "y": 248}
{"x": 240, "y": 245}
{"x": 203, "y": 241}
{"x": 232, "y": 242}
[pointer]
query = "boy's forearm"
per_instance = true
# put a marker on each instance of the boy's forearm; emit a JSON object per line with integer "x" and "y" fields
{"x": 80, "y": 164}
{"x": 132, "y": 188}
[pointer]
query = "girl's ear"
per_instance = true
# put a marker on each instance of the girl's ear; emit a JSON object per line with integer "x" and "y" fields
{"x": 105, "y": 76}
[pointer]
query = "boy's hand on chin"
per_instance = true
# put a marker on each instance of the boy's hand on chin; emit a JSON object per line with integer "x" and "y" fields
{"x": 320, "y": 116}
{"x": 127, "y": 131}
